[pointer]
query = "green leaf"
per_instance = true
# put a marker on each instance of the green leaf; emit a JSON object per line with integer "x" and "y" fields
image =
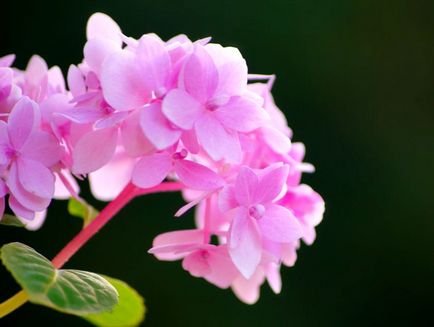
{"x": 82, "y": 209}
{"x": 70, "y": 291}
{"x": 11, "y": 220}
{"x": 129, "y": 312}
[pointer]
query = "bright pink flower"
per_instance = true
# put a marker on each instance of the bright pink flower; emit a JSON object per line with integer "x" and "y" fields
{"x": 257, "y": 216}
{"x": 131, "y": 78}
{"x": 210, "y": 99}
{"x": 26, "y": 154}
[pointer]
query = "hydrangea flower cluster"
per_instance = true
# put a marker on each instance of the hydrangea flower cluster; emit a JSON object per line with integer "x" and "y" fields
{"x": 143, "y": 111}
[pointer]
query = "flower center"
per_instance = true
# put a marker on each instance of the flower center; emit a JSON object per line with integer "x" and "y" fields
{"x": 204, "y": 254}
{"x": 211, "y": 105}
{"x": 106, "y": 108}
{"x": 180, "y": 155}
{"x": 257, "y": 211}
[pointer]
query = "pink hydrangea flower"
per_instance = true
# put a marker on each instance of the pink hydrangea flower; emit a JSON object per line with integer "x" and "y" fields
{"x": 145, "y": 110}
{"x": 257, "y": 216}
{"x": 27, "y": 153}
{"x": 212, "y": 100}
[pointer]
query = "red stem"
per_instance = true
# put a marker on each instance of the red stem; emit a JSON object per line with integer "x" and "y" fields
{"x": 127, "y": 194}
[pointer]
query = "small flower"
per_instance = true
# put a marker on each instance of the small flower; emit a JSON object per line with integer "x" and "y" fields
{"x": 257, "y": 217}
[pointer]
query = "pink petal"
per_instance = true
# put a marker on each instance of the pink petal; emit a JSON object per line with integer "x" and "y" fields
{"x": 154, "y": 61}
{"x": 111, "y": 119}
{"x": 42, "y": 147}
{"x": 25, "y": 198}
{"x": 35, "y": 178}
{"x": 152, "y": 170}
{"x": 3, "y": 189}
{"x": 232, "y": 69}
{"x": 192, "y": 236}
{"x": 83, "y": 115}
{"x": 100, "y": 25}
{"x": 61, "y": 192}
{"x": 196, "y": 263}
{"x": 289, "y": 253}
{"x": 157, "y": 128}
{"x": 244, "y": 243}
{"x": 96, "y": 51}
{"x": 24, "y": 118}
{"x": 122, "y": 82}
{"x": 94, "y": 150}
{"x": 4, "y": 141}
{"x": 36, "y": 70}
{"x": 223, "y": 271}
{"x": 6, "y": 77}
{"x": 272, "y": 273}
{"x": 196, "y": 176}
{"x": 216, "y": 141}
{"x": 227, "y": 199}
{"x": 241, "y": 114}
{"x": 248, "y": 290}
{"x": 76, "y": 81}
{"x": 199, "y": 76}
{"x": 271, "y": 182}
{"x": 19, "y": 210}
{"x": 246, "y": 186}
{"x": 56, "y": 80}
{"x": 189, "y": 140}
{"x": 181, "y": 108}
{"x": 133, "y": 138}
{"x": 107, "y": 182}
{"x": 36, "y": 222}
{"x": 7, "y": 61}
{"x": 279, "y": 142}
{"x": 278, "y": 224}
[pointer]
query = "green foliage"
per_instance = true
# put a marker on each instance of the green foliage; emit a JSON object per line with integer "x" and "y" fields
{"x": 11, "y": 220}
{"x": 83, "y": 210}
{"x": 129, "y": 312}
{"x": 70, "y": 291}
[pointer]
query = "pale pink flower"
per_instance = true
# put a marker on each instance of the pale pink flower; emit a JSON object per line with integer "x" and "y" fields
{"x": 257, "y": 217}
{"x": 210, "y": 99}
{"x": 26, "y": 155}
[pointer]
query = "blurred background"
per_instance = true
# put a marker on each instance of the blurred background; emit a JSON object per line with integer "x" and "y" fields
{"x": 355, "y": 80}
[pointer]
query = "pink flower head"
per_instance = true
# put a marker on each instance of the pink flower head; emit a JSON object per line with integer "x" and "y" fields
{"x": 145, "y": 111}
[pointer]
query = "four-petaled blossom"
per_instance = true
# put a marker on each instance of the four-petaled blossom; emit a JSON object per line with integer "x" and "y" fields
{"x": 26, "y": 154}
{"x": 257, "y": 218}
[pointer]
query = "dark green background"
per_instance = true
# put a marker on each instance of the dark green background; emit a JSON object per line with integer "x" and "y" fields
{"x": 355, "y": 79}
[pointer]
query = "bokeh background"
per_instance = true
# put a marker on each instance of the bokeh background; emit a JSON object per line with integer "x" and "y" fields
{"x": 355, "y": 80}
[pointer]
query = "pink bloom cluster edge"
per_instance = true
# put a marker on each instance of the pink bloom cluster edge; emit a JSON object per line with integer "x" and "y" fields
{"x": 143, "y": 111}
